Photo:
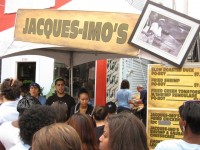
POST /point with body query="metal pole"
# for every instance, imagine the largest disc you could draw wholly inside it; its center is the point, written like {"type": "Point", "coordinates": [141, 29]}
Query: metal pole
{"type": "Point", "coordinates": [186, 7]}
{"type": "Point", "coordinates": [173, 5]}
{"type": "Point", "coordinates": [71, 72]}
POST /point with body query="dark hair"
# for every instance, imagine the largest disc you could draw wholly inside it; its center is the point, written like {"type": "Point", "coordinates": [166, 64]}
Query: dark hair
{"type": "Point", "coordinates": [111, 107]}
{"type": "Point", "coordinates": [58, 136]}
{"type": "Point", "coordinates": [26, 102]}
{"type": "Point", "coordinates": [81, 91]}
{"type": "Point", "coordinates": [125, 84]}
{"type": "Point", "coordinates": [34, 119]}
{"type": "Point", "coordinates": [35, 85]}
{"type": "Point", "coordinates": [84, 126]}
{"type": "Point", "coordinates": [59, 79]}
{"type": "Point", "coordinates": [61, 110]}
{"type": "Point", "coordinates": [10, 89]}
{"type": "Point", "coordinates": [25, 87]}
{"type": "Point", "coordinates": [100, 113]}
{"type": "Point", "coordinates": [126, 132]}
{"type": "Point", "coordinates": [190, 112]}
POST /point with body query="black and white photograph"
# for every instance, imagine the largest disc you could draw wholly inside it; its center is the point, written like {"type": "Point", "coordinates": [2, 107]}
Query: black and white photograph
{"type": "Point", "coordinates": [165, 33]}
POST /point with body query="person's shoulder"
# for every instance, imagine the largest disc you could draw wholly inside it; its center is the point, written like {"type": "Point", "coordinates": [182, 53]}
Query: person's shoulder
{"type": "Point", "coordinates": [89, 110]}
{"type": "Point", "coordinates": [20, 146]}
{"type": "Point", "coordinates": [51, 97]}
{"type": "Point", "coordinates": [73, 107]}
{"type": "Point", "coordinates": [144, 91]}
{"type": "Point", "coordinates": [9, 104]}
{"type": "Point", "coordinates": [6, 124]}
{"type": "Point", "coordinates": [42, 97]}
{"type": "Point", "coordinates": [90, 107]}
{"type": "Point", "coordinates": [99, 130]}
{"type": "Point", "coordinates": [99, 127]}
{"type": "Point", "coordinates": [169, 145]}
{"type": "Point", "coordinates": [119, 90]}
{"type": "Point", "coordinates": [72, 111]}
{"type": "Point", "coordinates": [68, 96]}
{"type": "Point", "coordinates": [3, 128]}
{"type": "Point", "coordinates": [129, 90]}
{"type": "Point", "coordinates": [42, 100]}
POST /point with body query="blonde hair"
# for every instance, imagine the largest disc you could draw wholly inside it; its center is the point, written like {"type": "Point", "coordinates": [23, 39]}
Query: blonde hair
{"type": "Point", "coordinates": [56, 136]}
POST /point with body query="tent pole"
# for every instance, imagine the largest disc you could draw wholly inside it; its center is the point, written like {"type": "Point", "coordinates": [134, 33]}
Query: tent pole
{"type": "Point", "coordinates": [71, 72]}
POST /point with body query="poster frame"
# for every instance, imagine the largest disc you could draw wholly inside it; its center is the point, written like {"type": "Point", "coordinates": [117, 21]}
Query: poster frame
{"type": "Point", "coordinates": [171, 48]}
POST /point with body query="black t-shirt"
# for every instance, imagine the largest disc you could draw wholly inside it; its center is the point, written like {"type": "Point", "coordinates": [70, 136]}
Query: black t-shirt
{"type": "Point", "coordinates": [66, 99]}
{"type": "Point", "coordinates": [98, 132]}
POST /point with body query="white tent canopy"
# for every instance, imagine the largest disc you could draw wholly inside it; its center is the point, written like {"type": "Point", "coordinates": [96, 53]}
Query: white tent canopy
{"type": "Point", "coordinates": [10, 47]}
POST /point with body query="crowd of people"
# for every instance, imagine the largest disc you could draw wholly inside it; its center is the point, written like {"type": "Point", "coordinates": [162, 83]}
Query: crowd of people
{"type": "Point", "coordinates": [34, 123]}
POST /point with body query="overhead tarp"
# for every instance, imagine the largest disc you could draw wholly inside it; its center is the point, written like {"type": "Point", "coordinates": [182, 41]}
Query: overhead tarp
{"type": "Point", "coordinates": [10, 47]}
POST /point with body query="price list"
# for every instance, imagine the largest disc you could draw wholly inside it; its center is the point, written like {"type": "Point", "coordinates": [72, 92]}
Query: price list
{"type": "Point", "coordinates": [168, 88]}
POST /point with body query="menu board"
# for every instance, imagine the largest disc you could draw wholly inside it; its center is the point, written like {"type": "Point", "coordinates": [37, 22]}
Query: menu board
{"type": "Point", "coordinates": [168, 88]}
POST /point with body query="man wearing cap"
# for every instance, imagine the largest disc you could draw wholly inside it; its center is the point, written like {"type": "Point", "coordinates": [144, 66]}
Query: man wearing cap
{"type": "Point", "coordinates": [142, 100]}
{"type": "Point", "coordinates": [35, 91]}
{"type": "Point", "coordinates": [60, 95]}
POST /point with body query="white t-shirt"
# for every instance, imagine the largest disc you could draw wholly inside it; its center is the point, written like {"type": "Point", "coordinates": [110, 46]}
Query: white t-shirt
{"type": "Point", "coordinates": [9, 135]}
{"type": "Point", "coordinates": [8, 111]}
{"type": "Point", "coordinates": [20, 146]}
{"type": "Point", "coordinates": [176, 144]}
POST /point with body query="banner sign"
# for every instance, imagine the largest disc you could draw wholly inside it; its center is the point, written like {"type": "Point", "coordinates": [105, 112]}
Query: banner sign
{"type": "Point", "coordinates": [168, 88]}
{"type": "Point", "coordinates": [96, 31]}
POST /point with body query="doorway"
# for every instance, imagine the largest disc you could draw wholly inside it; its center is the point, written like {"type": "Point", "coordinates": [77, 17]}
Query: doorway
{"type": "Point", "coordinates": [26, 71]}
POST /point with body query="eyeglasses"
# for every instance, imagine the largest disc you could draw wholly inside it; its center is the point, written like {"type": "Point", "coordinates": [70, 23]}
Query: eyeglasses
{"type": "Point", "coordinates": [191, 101]}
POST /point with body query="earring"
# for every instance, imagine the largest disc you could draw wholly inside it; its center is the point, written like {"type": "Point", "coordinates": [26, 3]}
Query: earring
{"type": "Point", "coordinates": [183, 128]}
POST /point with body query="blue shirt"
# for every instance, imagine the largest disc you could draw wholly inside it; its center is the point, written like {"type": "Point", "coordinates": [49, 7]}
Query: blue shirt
{"type": "Point", "coordinates": [123, 96]}
{"type": "Point", "coordinates": [42, 100]}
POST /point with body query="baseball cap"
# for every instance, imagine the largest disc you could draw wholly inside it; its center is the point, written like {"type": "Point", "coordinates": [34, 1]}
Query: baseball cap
{"type": "Point", "coordinates": [111, 107]}
{"type": "Point", "coordinates": [35, 85]}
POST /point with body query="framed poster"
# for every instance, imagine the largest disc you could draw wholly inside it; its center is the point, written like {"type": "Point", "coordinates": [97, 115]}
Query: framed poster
{"type": "Point", "coordinates": [165, 33]}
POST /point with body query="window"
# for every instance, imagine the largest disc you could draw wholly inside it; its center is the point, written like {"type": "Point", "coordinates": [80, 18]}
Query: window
{"type": "Point", "coordinates": [26, 71]}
